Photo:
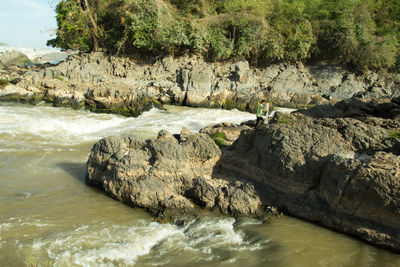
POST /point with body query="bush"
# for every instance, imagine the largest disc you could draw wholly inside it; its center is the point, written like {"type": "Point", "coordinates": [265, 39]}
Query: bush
{"type": "Point", "coordinates": [73, 30]}
{"type": "Point", "coordinates": [360, 34]}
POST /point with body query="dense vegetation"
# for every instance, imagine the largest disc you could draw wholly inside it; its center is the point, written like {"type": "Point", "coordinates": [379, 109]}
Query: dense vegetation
{"type": "Point", "coordinates": [361, 34]}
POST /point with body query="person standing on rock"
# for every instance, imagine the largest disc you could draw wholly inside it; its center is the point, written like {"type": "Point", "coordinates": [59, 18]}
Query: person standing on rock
{"type": "Point", "coordinates": [260, 109]}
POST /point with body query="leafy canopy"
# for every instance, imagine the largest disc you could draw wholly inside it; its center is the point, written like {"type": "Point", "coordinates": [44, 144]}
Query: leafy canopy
{"type": "Point", "coordinates": [361, 34]}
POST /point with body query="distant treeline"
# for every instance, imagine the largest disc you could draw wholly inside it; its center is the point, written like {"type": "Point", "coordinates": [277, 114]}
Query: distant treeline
{"type": "Point", "coordinates": [361, 34]}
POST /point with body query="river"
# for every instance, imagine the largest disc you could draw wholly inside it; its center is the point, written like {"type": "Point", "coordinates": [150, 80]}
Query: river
{"type": "Point", "coordinates": [50, 217]}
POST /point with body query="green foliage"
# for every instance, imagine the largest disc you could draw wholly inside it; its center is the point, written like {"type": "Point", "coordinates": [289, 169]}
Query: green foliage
{"type": "Point", "coordinates": [394, 135]}
{"type": "Point", "coordinates": [58, 77]}
{"type": "Point", "coordinates": [286, 119]}
{"type": "Point", "coordinates": [229, 104]}
{"type": "Point", "coordinates": [235, 36]}
{"type": "Point", "coordinates": [349, 32]}
{"type": "Point", "coordinates": [194, 8]}
{"type": "Point", "coordinates": [72, 27]}
{"type": "Point", "coordinates": [362, 34]}
{"type": "Point", "coordinates": [292, 30]}
{"type": "Point", "coordinates": [219, 138]}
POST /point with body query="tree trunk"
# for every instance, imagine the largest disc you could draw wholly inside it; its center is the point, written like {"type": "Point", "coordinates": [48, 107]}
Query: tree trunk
{"type": "Point", "coordinates": [95, 29]}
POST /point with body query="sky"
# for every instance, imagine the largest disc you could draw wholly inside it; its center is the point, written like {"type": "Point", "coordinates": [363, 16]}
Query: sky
{"type": "Point", "coordinates": [27, 23]}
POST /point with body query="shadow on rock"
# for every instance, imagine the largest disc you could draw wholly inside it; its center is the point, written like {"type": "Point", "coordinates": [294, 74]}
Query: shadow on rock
{"type": "Point", "coordinates": [356, 108]}
{"type": "Point", "coordinates": [342, 173]}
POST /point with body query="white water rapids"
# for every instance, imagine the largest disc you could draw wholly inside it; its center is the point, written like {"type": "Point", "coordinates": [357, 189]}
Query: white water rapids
{"type": "Point", "coordinates": [50, 217]}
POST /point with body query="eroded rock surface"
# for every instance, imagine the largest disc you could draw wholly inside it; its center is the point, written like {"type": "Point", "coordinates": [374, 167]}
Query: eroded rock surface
{"type": "Point", "coordinates": [169, 175]}
{"type": "Point", "coordinates": [342, 172]}
{"type": "Point", "coordinates": [107, 83]}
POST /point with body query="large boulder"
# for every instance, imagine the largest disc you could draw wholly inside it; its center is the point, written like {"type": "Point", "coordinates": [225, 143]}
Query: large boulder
{"type": "Point", "coordinates": [341, 172]}
{"type": "Point", "coordinates": [169, 175]}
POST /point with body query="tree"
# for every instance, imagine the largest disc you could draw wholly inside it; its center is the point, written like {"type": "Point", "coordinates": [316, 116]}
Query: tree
{"type": "Point", "coordinates": [96, 35]}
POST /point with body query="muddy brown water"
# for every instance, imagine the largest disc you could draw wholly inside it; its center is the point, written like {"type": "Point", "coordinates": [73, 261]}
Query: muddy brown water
{"type": "Point", "coordinates": [49, 217]}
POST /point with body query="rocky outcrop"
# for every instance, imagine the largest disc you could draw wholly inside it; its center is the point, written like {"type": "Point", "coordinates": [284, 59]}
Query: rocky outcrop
{"type": "Point", "coordinates": [12, 58]}
{"type": "Point", "coordinates": [230, 131]}
{"type": "Point", "coordinates": [115, 84]}
{"type": "Point", "coordinates": [169, 176]}
{"type": "Point", "coordinates": [341, 172]}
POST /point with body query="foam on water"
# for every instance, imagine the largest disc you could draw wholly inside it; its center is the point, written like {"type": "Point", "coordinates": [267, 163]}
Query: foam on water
{"type": "Point", "coordinates": [31, 53]}
{"type": "Point", "coordinates": [102, 247]}
{"type": "Point", "coordinates": [123, 245]}
{"type": "Point", "coordinates": [103, 244]}
{"type": "Point", "coordinates": [4, 226]}
{"type": "Point", "coordinates": [47, 127]}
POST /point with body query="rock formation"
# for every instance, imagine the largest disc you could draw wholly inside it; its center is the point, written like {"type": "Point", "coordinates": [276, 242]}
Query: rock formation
{"type": "Point", "coordinates": [340, 170]}
{"type": "Point", "coordinates": [168, 175]}
{"type": "Point", "coordinates": [115, 84]}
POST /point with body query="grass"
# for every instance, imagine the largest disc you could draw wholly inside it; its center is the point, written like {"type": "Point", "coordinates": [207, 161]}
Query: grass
{"type": "Point", "coordinates": [219, 138]}
{"type": "Point", "coordinates": [287, 119]}
{"type": "Point", "coordinates": [229, 104]}
{"type": "Point", "coordinates": [58, 77]}
{"type": "Point", "coordinates": [394, 135]}
{"type": "Point", "coordinates": [303, 106]}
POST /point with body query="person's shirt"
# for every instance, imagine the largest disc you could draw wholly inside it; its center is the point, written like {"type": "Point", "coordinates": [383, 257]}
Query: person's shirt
{"type": "Point", "coordinates": [259, 110]}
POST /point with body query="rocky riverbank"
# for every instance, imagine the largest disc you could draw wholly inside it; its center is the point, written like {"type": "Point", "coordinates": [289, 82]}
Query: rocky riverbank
{"type": "Point", "coordinates": [336, 165]}
{"type": "Point", "coordinates": [129, 86]}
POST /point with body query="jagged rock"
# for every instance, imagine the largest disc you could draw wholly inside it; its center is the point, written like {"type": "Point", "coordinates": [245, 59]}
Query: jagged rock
{"type": "Point", "coordinates": [340, 172]}
{"type": "Point", "coordinates": [53, 58]}
{"type": "Point", "coordinates": [167, 174]}
{"type": "Point", "coordinates": [230, 131]}
{"type": "Point", "coordinates": [121, 81]}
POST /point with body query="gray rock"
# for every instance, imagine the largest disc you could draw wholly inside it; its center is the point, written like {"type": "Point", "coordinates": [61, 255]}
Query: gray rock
{"type": "Point", "coordinates": [167, 174]}
{"type": "Point", "coordinates": [113, 84]}
{"type": "Point", "coordinates": [12, 57]}
{"type": "Point", "coordinates": [340, 172]}
{"type": "Point", "coordinates": [198, 85]}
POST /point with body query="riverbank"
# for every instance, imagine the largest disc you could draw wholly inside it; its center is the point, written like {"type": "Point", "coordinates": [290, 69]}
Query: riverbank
{"type": "Point", "coordinates": [129, 86]}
